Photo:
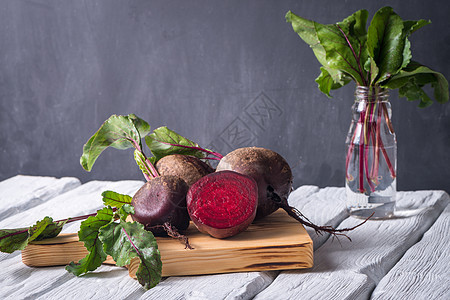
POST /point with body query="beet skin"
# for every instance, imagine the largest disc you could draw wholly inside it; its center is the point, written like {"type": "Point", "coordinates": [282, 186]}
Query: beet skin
{"type": "Point", "coordinates": [223, 204]}
{"type": "Point", "coordinates": [268, 168]}
{"type": "Point", "coordinates": [161, 200]}
{"type": "Point", "coordinates": [190, 168]}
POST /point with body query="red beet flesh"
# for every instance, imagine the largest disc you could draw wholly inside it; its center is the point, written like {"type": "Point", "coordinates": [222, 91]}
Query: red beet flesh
{"type": "Point", "coordinates": [223, 204]}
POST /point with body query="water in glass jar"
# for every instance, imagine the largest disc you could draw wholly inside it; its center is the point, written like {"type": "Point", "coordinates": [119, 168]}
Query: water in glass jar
{"type": "Point", "coordinates": [378, 199]}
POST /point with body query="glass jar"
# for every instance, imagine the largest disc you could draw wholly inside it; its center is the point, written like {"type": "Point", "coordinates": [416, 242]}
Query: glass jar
{"type": "Point", "coordinates": [371, 162]}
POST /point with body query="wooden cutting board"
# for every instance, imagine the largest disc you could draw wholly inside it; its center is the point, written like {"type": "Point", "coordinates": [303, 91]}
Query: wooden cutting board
{"type": "Point", "coordinates": [276, 242]}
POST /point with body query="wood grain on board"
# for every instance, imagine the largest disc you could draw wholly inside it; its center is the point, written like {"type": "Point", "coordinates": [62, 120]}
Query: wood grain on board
{"type": "Point", "coordinates": [276, 243]}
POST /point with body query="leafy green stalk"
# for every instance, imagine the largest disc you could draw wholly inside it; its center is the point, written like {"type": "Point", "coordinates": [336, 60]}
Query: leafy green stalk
{"type": "Point", "coordinates": [380, 56]}
{"type": "Point", "coordinates": [102, 235]}
{"type": "Point", "coordinates": [340, 48]}
{"type": "Point", "coordinates": [17, 239]}
{"type": "Point", "coordinates": [124, 132]}
{"type": "Point", "coordinates": [89, 231]}
{"type": "Point", "coordinates": [120, 132]}
{"type": "Point", "coordinates": [125, 240]}
{"type": "Point", "coordinates": [95, 232]}
{"type": "Point", "coordinates": [376, 58]}
{"type": "Point", "coordinates": [13, 239]}
{"type": "Point", "coordinates": [115, 199]}
{"type": "Point", "coordinates": [413, 77]}
{"type": "Point", "coordinates": [88, 234]}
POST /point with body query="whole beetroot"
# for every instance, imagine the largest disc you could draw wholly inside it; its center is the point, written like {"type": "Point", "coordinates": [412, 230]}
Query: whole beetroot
{"type": "Point", "coordinates": [161, 201]}
{"type": "Point", "coordinates": [189, 168]}
{"type": "Point", "coordinates": [270, 171]}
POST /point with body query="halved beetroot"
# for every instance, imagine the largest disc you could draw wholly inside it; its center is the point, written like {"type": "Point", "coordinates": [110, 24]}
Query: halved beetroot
{"type": "Point", "coordinates": [223, 204]}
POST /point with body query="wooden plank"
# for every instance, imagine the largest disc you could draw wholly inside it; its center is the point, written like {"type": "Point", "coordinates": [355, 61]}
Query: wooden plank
{"type": "Point", "coordinates": [351, 270]}
{"type": "Point", "coordinates": [423, 272]}
{"type": "Point", "coordinates": [276, 243]}
{"type": "Point", "coordinates": [22, 192]}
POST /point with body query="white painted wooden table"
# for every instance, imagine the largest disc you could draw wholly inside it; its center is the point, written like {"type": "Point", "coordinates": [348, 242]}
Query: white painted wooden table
{"type": "Point", "coordinates": [403, 258]}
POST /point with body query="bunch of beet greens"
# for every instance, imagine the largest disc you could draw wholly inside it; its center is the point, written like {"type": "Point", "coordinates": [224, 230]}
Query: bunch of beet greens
{"type": "Point", "coordinates": [376, 58]}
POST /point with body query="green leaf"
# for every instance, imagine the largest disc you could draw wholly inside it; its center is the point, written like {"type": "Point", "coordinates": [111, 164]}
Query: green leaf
{"type": "Point", "coordinates": [339, 54]}
{"type": "Point", "coordinates": [410, 26]}
{"type": "Point", "coordinates": [338, 46]}
{"type": "Point", "coordinates": [125, 211]}
{"type": "Point", "coordinates": [120, 132]}
{"type": "Point", "coordinates": [115, 199]}
{"type": "Point", "coordinates": [163, 142]}
{"type": "Point", "coordinates": [17, 239]}
{"type": "Point", "coordinates": [413, 91]}
{"type": "Point", "coordinates": [371, 66]}
{"type": "Point", "coordinates": [45, 229]}
{"type": "Point", "coordinates": [142, 126]}
{"type": "Point", "coordinates": [328, 82]}
{"type": "Point", "coordinates": [415, 76]}
{"type": "Point", "coordinates": [89, 234]}
{"type": "Point", "coordinates": [407, 55]}
{"type": "Point", "coordinates": [307, 32]}
{"type": "Point", "coordinates": [13, 239]}
{"type": "Point", "coordinates": [356, 24]}
{"type": "Point", "coordinates": [123, 241]}
{"type": "Point", "coordinates": [386, 43]}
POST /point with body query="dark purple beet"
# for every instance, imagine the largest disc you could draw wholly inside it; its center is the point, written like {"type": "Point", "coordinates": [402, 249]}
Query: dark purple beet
{"type": "Point", "coordinates": [161, 200]}
{"type": "Point", "coordinates": [223, 204]}
{"type": "Point", "coordinates": [268, 168]}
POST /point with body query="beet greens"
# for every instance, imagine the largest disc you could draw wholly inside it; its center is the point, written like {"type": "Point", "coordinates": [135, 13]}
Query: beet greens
{"type": "Point", "coordinates": [98, 231]}
{"type": "Point", "coordinates": [377, 58]}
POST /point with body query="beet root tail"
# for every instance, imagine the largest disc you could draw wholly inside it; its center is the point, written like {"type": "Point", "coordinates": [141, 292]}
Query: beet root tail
{"type": "Point", "coordinates": [173, 233]}
{"type": "Point", "coordinates": [301, 218]}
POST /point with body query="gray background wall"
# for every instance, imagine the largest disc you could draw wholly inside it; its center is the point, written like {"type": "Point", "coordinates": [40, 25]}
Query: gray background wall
{"type": "Point", "coordinates": [199, 67]}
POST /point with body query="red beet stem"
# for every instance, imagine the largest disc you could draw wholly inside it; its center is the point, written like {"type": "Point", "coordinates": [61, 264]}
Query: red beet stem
{"type": "Point", "coordinates": [388, 161]}
{"type": "Point", "coordinates": [68, 220]}
{"type": "Point", "coordinates": [357, 57]}
{"type": "Point", "coordinates": [131, 242]}
{"type": "Point", "coordinates": [349, 154]}
{"type": "Point", "coordinates": [217, 155]}
{"type": "Point", "coordinates": [391, 129]}
{"type": "Point", "coordinates": [361, 156]}
{"type": "Point", "coordinates": [13, 234]}
{"type": "Point", "coordinates": [79, 218]}
{"type": "Point", "coordinates": [149, 167]}
{"type": "Point", "coordinates": [370, 136]}
{"type": "Point", "coordinates": [152, 170]}
{"type": "Point", "coordinates": [376, 159]}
